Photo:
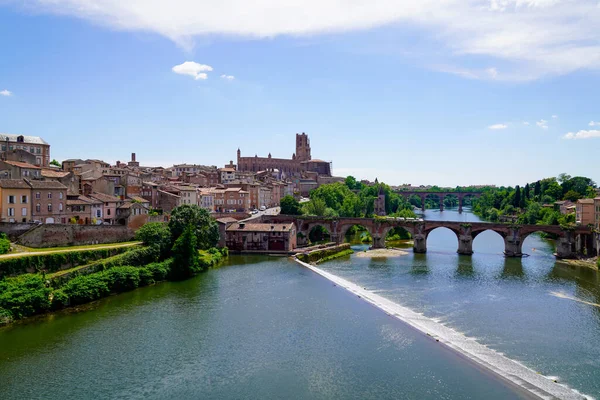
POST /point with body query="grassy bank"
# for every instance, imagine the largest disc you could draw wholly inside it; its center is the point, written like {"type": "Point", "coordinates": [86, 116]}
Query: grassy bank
{"type": "Point", "coordinates": [326, 254]}
{"type": "Point", "coordinates": [31, 294]}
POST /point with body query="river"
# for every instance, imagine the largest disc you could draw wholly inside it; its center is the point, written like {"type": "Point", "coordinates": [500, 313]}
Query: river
{"type": "Point", "coordinates": [262, 328]}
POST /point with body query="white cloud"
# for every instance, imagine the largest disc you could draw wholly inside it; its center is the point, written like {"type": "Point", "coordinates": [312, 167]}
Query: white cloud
{"type": "Point", "coordinates": [529, 38]}
{"type": "Point", "coordinates": [554, 116]}
{"type": "Point", "coordinates": [5, 93]}
{"type": "Point", "coordinates": [592, 123]}
{"type": "Point", "coordinates": [228, 77]}
{"type": "Point", "coordinates": [192, 68]}
{"type": "Point", "coordinates": [583, 134]}
{"type": "Point", "coordinates": [525, 123]}
{"type": "Point", "coordinates": [498, 126]}
{"type": "Point", "coordinates": [542, 124]}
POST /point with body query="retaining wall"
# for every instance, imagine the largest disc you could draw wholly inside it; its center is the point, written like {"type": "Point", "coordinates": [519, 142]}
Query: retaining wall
{"type": "Point", "coordinates": [55, 235]}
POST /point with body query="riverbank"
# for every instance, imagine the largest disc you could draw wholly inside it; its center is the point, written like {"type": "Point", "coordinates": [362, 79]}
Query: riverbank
{"type": "Point", "coordinates": [520, 377]}
{"type": "Point", "coordinates": [591, 263]}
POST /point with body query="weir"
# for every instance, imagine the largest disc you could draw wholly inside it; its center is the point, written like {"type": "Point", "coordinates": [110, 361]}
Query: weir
{"type": "Point", "coordinates": [506, 368]}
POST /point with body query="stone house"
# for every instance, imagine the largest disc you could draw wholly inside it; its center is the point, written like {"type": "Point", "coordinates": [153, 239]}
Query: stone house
{"type": "Point", "coordinates": [15, 204]}
{"type": "Point", "coordinates": [150, 193]}
{"type": "Point", "coordinates": [206, 199]}
{"type": "Point", "coordinates": [130, 211]}
{"type": "Point", "coordinates": [584, 212]}
{"type": "Point", "coordinates": [187, 195]}
{"type": "Point", "coordinates": [19, 170]}
{"type": "Point", "coordinates": [237, 199]}
{"type": "Point", "coordinates": [34, 145]}
{"type": "Point", "coordinates": [261, 237]}
{"type": "Point", "coordinates": [264, 196]}
{"type": "Point", "coordinates": [167, 201]}
{"type": "Point", "coordinates": [109, 206]}
{"type": "Point", "coordinates": [79, 209]}
{"type": "Point", "coordinates": [133, 185]}
{"type": "Point", "coordinates": [48, 201]}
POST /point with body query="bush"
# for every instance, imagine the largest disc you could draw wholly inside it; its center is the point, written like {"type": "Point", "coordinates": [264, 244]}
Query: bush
{"type": "Point", "coordinates": [135, 257]}
{"type": "Point", "coordinates": [155, 234]}
{"type": "Point", "coordinates": [4, 243]}
{"type": "Point", "coordinates": [84, 289]}
{"type": "Point", "coordinates": [5, 317]}
{"type": "Point", "coordinates": [160, 270]}
{"type": "Point", "coordinates": [122, 279]}
{"type": "Point", "coordinates": [56, 262]}
{"type": "Point", "coordinates": [24, 295]}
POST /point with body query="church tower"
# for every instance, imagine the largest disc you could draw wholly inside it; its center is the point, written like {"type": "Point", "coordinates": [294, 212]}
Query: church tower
{"type": "Point", "coordinates": [379, 208]}
{"type": "Point", "coordinates": [302, 147]}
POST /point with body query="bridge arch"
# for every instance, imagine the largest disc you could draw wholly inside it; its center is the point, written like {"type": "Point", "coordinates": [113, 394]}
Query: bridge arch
{"type": "Point", "coordinates": [444, 236]}
{"type": "Point", "coordinates": [495, 245]}
{"type": "Point", "coordinates": [343, 231]}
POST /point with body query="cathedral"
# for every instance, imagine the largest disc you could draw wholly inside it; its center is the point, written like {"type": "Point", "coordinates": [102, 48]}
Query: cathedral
{"type": "Point", "coordinates": [301, 161]}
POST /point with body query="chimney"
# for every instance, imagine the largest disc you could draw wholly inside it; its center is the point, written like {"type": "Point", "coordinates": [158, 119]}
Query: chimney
{"type": "Point", "coordinates": [242, 225]}
{"type": "Point", "coordinates": [133, 157]}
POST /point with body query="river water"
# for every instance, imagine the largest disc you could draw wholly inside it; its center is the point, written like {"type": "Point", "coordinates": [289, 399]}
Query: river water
{"type": "Point", "coordinates": [264, 328]}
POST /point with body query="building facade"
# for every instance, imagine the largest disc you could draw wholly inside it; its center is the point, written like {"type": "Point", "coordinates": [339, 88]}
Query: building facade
{"type": "Point", "coordinates": [32, 144]}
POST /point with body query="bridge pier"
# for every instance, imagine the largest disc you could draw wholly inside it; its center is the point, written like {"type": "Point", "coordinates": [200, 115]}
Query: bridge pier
{"type": "Point", "coordinates": [442, 197]}
{"type": "Point", "coordinates": [423, 197]}
{"type": "Point", "coordinates": [565, 246]}
{"type": "Point", "coordinates": [465, 245]}
{"type": "Point", "coordinates": [419, 243]}
{"type": "Point", "coordinates": [378, 242]}
{"type": "Point", "coordinates": [513, 247]}
{"type": "Point", "coordinates": [460, 204]}
{"type": "Point", "coordinates": [336, 237]}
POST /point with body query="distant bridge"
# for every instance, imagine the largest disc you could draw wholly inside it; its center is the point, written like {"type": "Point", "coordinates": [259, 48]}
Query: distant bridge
{"type": "Point", "coordinates": [568, 244]}
{"type": "Point", "coordinates": [441, 195]}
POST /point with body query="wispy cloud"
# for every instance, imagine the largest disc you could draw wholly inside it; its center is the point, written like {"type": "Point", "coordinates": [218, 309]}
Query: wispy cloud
{"type": "Point", "coordinates": [528, 38]}
{"type": "Point", "coordinates": [542, 124]}
{"type": "Point", "coordinates": [191, 68]}
{"type": "Point", "coordinates": [228, 77]}
{"type": "Point", "coordinates": [525, 123]}
{"type": "Point", "coordinates": [498, 126]}
{"type": "Point", "coordinates": [5, 93]}
{"type": "Point", "coordinates": [593, 123]}
{"type": "Point", "coordinates": [554, 116]}
{"type": "Point", "coordinates": [583, 134]}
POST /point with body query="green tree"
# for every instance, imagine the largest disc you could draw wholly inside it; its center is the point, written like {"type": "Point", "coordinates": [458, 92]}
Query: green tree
{"type": "Point", "coordinates": [572, 195]}
{"type": "Point", "coordinates": [537, 189]}
{"type": "Point", "coordinates": [290, 206]}
{"type": "Point", "coordinates": [351, 182]}
{"type": "Point", "coordinates": [316, 207]}
{"type": "Point", "coordinates": [155, 234]}
{"type": "Point", "coordinates": [562, 178]}
{"type": "Point", "coordinates": [55, 163]}
{"type": "Point", "coordinates": [517, 197]}
{"type": "Point", "coordinates": [186, 260]}
{"type": "Point", "coordinates": [206, 228]}
{"type": "Point", "coordinates": [527, 190]}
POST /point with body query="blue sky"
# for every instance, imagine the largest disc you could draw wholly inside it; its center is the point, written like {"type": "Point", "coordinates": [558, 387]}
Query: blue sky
{"type": "Point", "coordinates": [421, 94]}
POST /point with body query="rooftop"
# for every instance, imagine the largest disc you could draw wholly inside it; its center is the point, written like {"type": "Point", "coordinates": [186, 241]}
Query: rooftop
{"type": "Point", "coordinates": [21, 164]}
{"type": "Point", "coordinates": [46, 185]}
{"type": "Point", "coordinates": [26, 139]}
{"type": "Point", "coordinates": [13, 184]}
{"type": "Point", "coordinates": [237, 227]}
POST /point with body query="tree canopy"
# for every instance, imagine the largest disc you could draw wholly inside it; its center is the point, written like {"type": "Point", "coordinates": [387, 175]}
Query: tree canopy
{"type": "Point", "coordinates": [206, 228]}
{"type": "Point", "coordinates": [290, 206]}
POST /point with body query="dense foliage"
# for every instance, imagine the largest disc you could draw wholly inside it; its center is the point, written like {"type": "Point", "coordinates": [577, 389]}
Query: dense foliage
{"type": "Point", "coordinates": [4, 243]}
{"type": "Point", "coordinates": [31, 294]}
{"type": "Point", "coordinates": [290, 206]}
{"type": "Point", "coordinates": [534, 203]}
{"type": "Point", "coordinates": [354, 199]}
{"type": "Point", "coordinates": [206, 228]}
{"type": "Point", "coordinates": [56, 261]}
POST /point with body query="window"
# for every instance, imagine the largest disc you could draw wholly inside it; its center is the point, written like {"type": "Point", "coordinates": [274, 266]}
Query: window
{"type": "Point", "coordinates": [49, 207]}
{"type": "Point", "coordinates": [11, 199]}
{"type": "Point", "coordinates": [24, 199]}
{"type": "Point", "coordinates": [11, 212]}
{"type": "Point", "coordinates": [49, 195]}
{"type": "Point", "coordinates": [60, 207]}
{"type": "Point", "coordinates": [98, 214]}
{"type": "Point", "coordinates": [108, 211]}
{"type": "Point", "coordinates": [38, 150]}
{"type": "Point", "coordinates": [38, 195]}
{"type": "Point", "coordinates": [32, 149]}
{"type": "Point", "coordinates": [60, 195]}
{"type": "Point", "coordinates": [24, 211]}
{"type": "Point", "coordinates": [38, 208]}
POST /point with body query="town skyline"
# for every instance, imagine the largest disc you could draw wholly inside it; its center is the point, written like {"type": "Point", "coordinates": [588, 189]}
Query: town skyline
{"type": "Point", "coordinates": [386, 101]}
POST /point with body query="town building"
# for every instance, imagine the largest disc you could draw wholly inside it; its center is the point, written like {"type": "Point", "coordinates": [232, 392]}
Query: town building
{"type": "Point", "coordinates": [48, 201]}
{"type": "Point", "coordinates": [261, 237]}
{"type": "Point", "coordinates": [16, 200]}
{"type": "Point", "coordinates": [300, 162]}
{"type": "Point", "coordinates": [19, 170]}
{"type": "Point", "coordinates": [584, 212]}
{"type": "Point", "coordinates": [34, 145]}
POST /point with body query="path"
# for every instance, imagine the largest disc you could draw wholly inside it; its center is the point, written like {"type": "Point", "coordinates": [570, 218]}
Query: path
{"type": "Point", "coordinates": [75, 248]}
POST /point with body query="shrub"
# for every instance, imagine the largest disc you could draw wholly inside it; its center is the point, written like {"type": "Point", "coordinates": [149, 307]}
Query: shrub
{"type": "Point", "coordinates": [5, 317]}
{"type": "Point", "coordinates": [24, 295]}
{"type": "Point", "coordinates": [160, 270]}
{"type": "Point", "coordinates": [84, 289]}
{"type": "Point", "coordinates": [135, 257]}
{"type": "Point", "coordinates": [59, 299]}
{"type": "Point", "coordinates": [122, 279]}
{"type": "Point", "coordinates": [155, 234]}
{"type": "Point", "coordinates": [4, 243]}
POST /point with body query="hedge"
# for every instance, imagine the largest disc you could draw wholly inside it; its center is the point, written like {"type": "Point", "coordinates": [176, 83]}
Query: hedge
{"type": "Point", "coordinates": [55, 262]}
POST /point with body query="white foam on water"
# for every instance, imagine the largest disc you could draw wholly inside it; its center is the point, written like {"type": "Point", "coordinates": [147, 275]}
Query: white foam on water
{"type": "Point", "coordinates": [542, 386]}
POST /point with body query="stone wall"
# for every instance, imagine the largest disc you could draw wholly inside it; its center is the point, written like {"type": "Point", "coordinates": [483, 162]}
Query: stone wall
{"type": "Point", "coordinates": [54, 235]}
{"type": "Point", "coordinates": [14, 230]}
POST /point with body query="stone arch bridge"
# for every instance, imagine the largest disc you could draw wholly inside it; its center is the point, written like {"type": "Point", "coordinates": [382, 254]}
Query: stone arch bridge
{"type": "Point", "coordinates": [568, 244]}
{"type": "Point", "coordinates": [441, 195]}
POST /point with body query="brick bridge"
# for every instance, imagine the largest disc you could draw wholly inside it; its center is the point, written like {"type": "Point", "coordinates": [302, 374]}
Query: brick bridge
{"type": "Point", "coordinates": [441, 195]}
{"type": "Point", "coordinates": [568, 244]}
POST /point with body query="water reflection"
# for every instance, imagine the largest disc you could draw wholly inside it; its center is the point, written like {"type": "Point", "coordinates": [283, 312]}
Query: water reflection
{"type": "Point", "coordinates": [513, 269]}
